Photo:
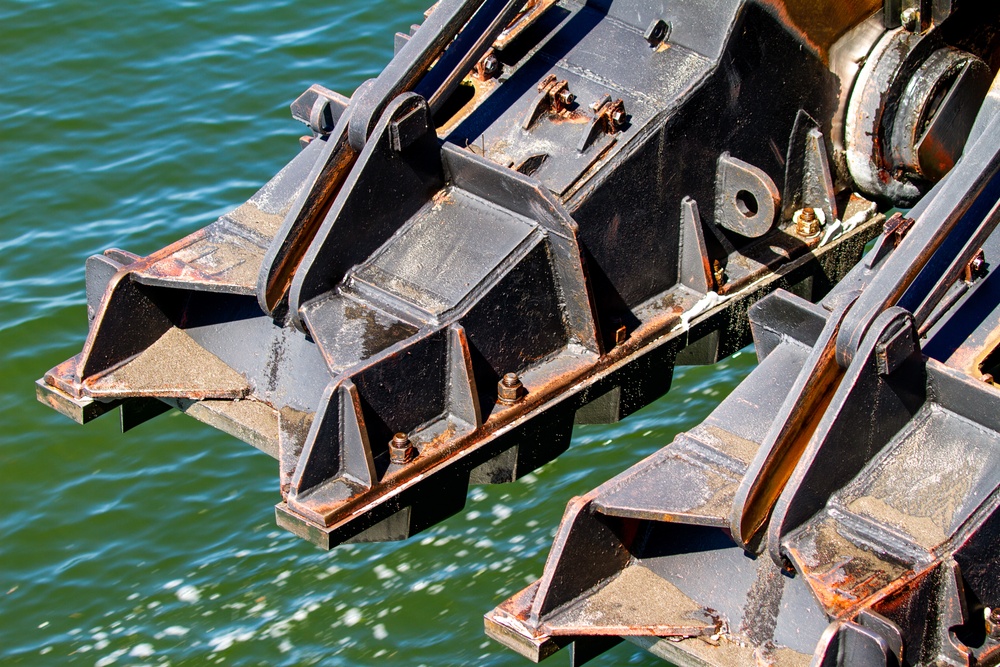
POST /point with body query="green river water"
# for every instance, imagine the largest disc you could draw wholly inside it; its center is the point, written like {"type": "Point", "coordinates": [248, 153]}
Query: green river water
{"type": "Point", "coordinates": [131, 124]}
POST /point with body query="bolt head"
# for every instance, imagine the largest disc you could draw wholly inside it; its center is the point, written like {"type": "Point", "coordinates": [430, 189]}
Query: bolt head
{"type": "Point", "coordinates": [621, 335]}
{"type": "Point", "coordinates": [807, 223]}
{"type": "Point", "coordinates": [400, 449]}
{"type": "Point", "coordinates": [566, 98]}
{"type": "Point", "coordinates": [992, 621]}
{"type": "Point", "coordinates": [491, 66]}
{"type": "Point", "coordinates": [910, 18]}
{"type": "Point", "coordinates": [978, 263]}
{"type": "Point", "coordinates": [510, 390]}
{"type": "Point", "coordinates": [719, 273]}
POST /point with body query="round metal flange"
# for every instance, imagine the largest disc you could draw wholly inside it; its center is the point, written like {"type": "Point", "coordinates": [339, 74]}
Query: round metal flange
{"type": "Point", "coordinates": [866, 111]}
{"type": "Point", "coordinates": [936, 112]}
{"type": "Point", "coordinates": [910, 114]}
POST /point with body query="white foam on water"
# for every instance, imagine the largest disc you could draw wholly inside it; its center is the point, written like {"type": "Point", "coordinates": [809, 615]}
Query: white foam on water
{"type": "Point", "coordinates": [110, 658]}
{"type": "Point", "coordinates": [383, 572]}
{"type": "Point", "coordinates": [224, 641]}
{"type": "Point", "coordinates": [173, 631]}
{"type": "Point", "coordinates": [142, 651]}
{"type": "Point", "coordinates": [188, 593]}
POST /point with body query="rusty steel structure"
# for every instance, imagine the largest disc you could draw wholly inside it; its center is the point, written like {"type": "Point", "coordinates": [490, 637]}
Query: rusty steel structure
{"type": "Point", "coordinates": [840, 507]}
{"type": "Point", "coordinates": [534, 212]}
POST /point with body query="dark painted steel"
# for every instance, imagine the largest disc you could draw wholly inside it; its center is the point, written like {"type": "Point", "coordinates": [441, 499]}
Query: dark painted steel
{"type": "Point", "coordinates": [836, 509]}
{"type": "Point", "coordinates": [356, 318]}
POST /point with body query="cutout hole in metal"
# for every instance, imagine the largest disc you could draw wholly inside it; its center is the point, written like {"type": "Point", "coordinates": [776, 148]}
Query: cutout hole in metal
{"type": "Point", "coordinates": [746, 203]}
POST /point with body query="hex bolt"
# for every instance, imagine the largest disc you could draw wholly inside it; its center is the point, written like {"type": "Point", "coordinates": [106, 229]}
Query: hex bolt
{"type": "Point", "coordinates": [510, 390]}
{"type": "Point", "coordinates": [618, 117]}
{"type": "Point", "coordinates": [806, 223]}
{"type": "Point", "coordinates": [621, 335]}
{"type": "Point", "coordinates": [400, 449]}
{"type": "Point", "coordinates": [910, 18]}
{"type": "Point", "coordinates": [992, 621]}
{"type": "Point", "coordinates": [976, 266]}
{"type": "Point", "coordinates": [719, 273]}
{"type": "Point", "coordinates": [491, 66]}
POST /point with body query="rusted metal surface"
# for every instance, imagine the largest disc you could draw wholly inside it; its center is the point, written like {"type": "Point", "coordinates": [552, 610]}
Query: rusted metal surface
{"type": "Point", "coordinates": [824, 23]}
{"type": "Point", "coordinates": [527, 219]}
{"type": "Point", "coordinates": [529, 14]}
{"type": "Point", "coordinates": [847, 493]}
{"type": "Point", "coordinates": [384, 285]}
{"type": "Point", "coordinates": [296, 234]}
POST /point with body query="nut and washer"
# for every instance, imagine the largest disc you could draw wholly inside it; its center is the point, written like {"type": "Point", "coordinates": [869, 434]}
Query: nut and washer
{"type": "Point", "coordinates": [808, 225]}
{"type": "Point", "coordinates": [718, 274]}
{"type": "Point", "coordinates": [491, 67]}
{"type": "Point", "coordinates": [400, 449]}
{"type": "Point", "coordinates": [992, 621]}
{"type": "Point", "coordinates": [510, 390]}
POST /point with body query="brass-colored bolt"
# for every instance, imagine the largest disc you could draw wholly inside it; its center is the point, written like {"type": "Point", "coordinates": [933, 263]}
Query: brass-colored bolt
{"type": "Point", "coordinates": [992, 621]}
{"type": "Point", "coordinates": [719, 273]}
{"type": "Point", "coordinates": [400, 449]}
{"type": "Point", "coordinates": [806, 223]}
{"type": "Point", "coordinates": [621, 335]}
{"type": "Point", "coordinates": [510, 390]}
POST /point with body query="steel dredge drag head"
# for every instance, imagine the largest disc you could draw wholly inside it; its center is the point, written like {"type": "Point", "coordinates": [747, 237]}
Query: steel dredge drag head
{"type": "Point", "coordinates": [515, 228]}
